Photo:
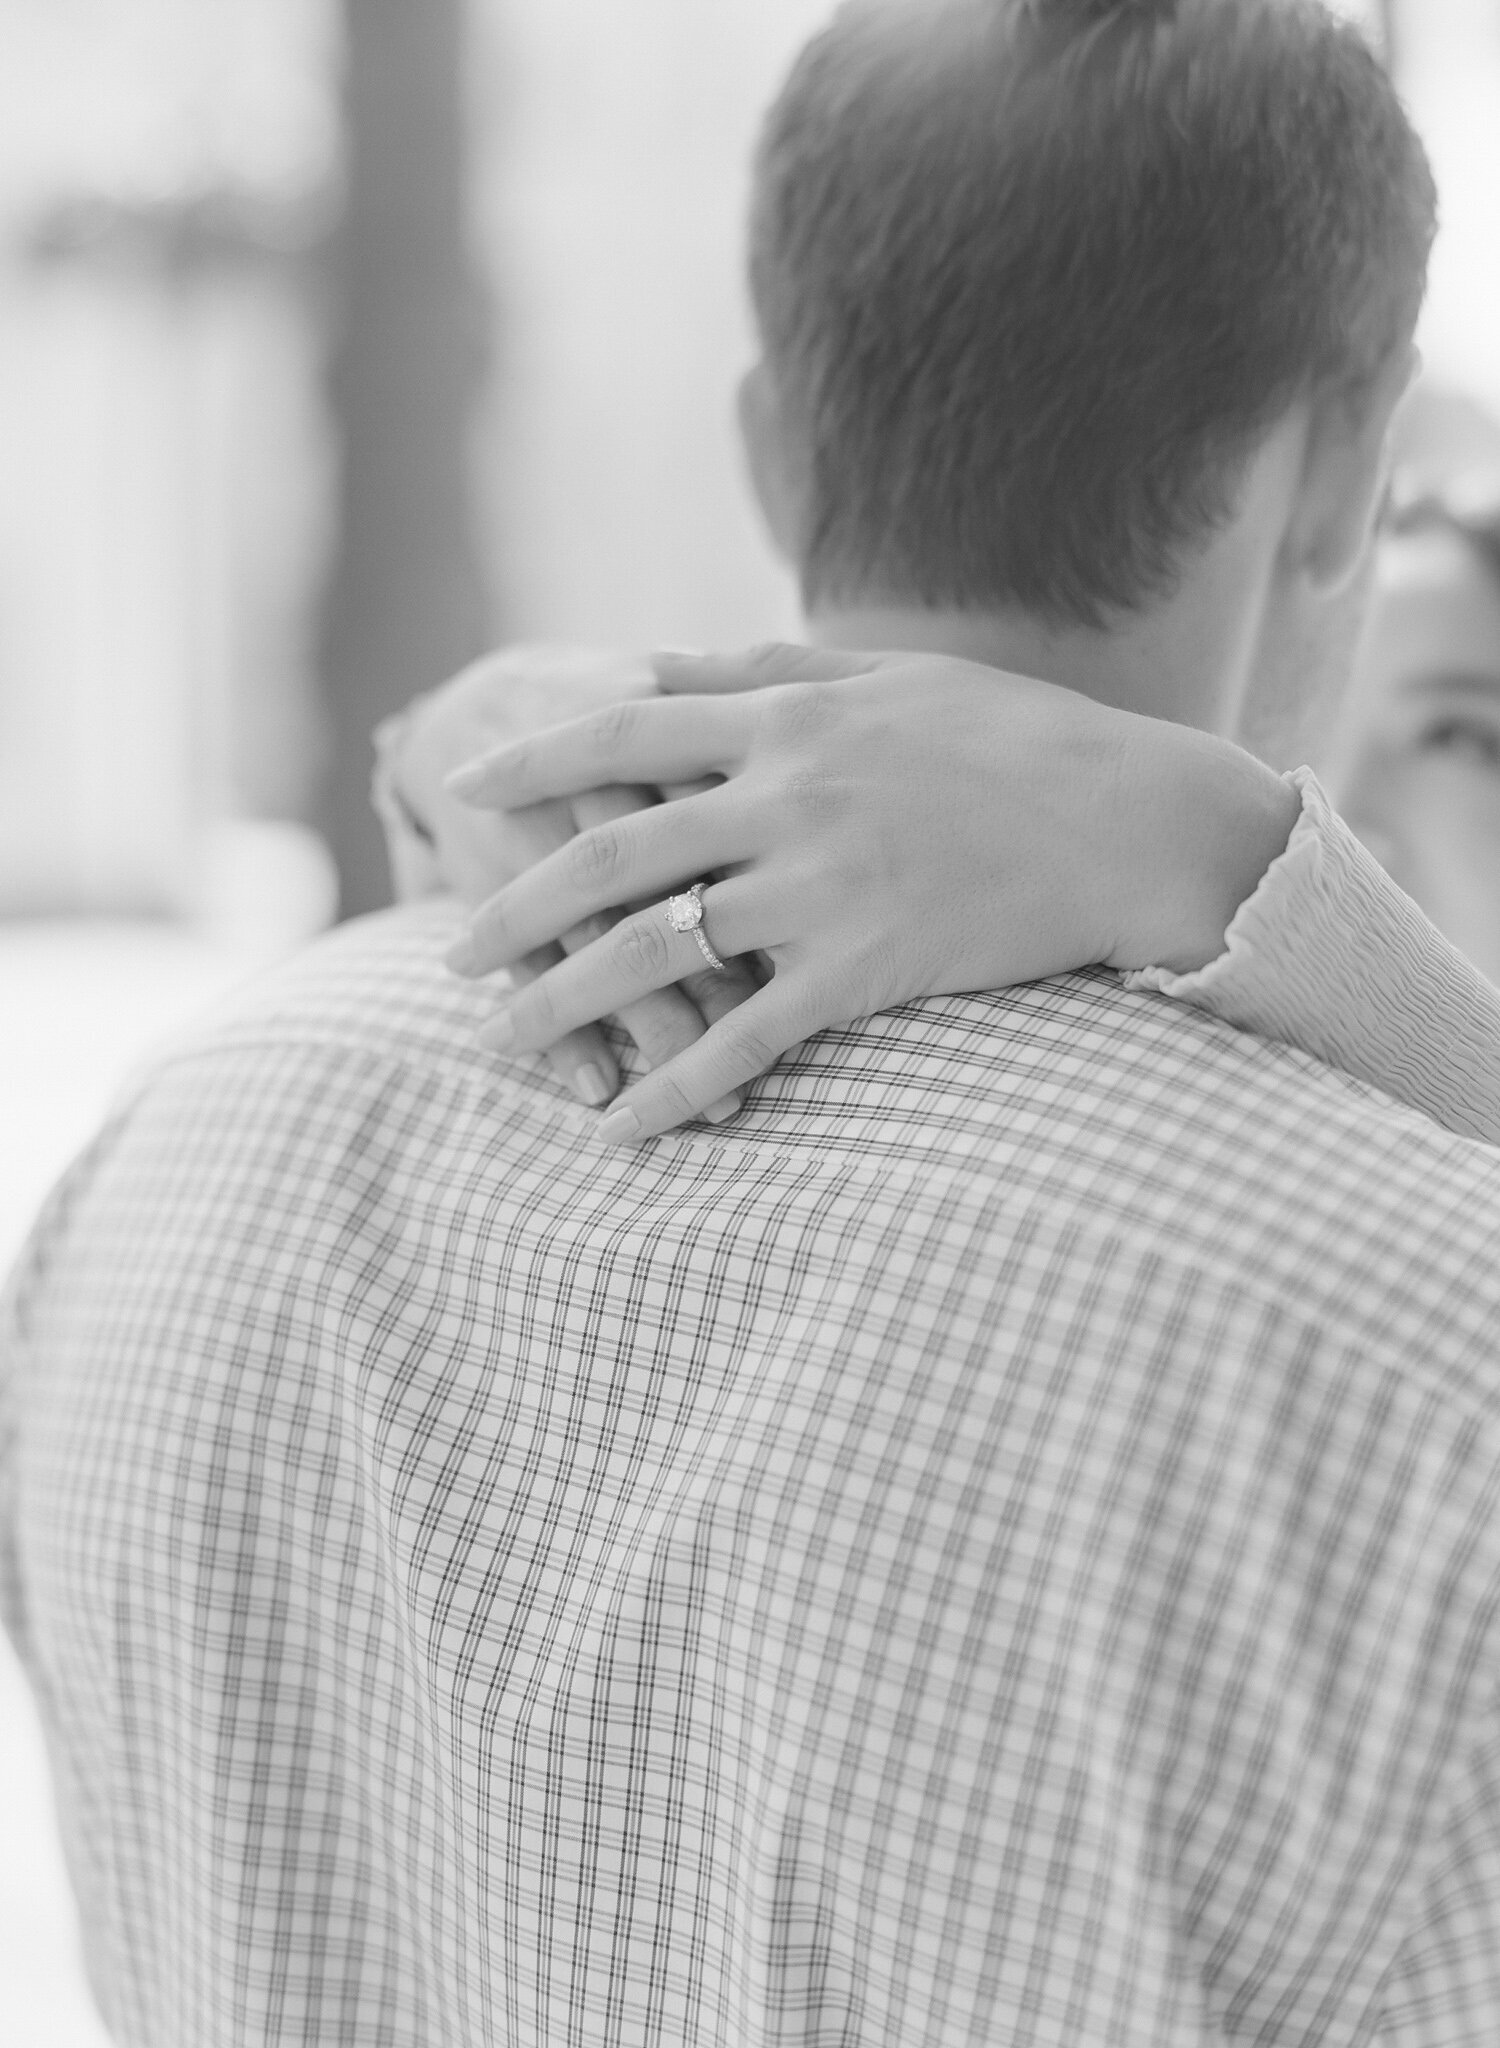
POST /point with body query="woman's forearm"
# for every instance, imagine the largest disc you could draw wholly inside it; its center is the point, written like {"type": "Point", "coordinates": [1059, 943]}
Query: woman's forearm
{"type": "Point", "coordinates": [1325, 953]}
{"type": "Point", "coordinates": [1193, 825]}
{"type": "Point", "coordinates": [1000, 830]}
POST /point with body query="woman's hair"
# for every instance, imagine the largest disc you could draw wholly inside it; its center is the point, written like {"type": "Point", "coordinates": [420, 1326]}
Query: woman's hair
{"type": "Point", "coordinates": [1032, 276]}
{"type": "Point", "coordinates": [1447, 471]}
{"type": "Point", "coordinates": [1468, 509]}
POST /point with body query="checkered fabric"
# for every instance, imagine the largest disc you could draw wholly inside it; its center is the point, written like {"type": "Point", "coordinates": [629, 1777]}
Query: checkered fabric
{"type": "Point", "coordinates": [999, 1545]}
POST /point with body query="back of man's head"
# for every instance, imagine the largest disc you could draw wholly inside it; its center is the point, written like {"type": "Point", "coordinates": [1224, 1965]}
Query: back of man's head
{"type": "Point", "coordinates": [1033, 277]}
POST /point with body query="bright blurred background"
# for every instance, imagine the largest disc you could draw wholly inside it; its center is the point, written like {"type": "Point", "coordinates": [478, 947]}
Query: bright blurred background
{"type": "Point", "coordinates": [337, 342]}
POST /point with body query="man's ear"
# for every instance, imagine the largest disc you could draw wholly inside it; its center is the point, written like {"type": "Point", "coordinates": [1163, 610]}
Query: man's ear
{"type": "Point", "coordinates": [1346, 471]}
{"type": "Point", "coordinates": [773, 475]}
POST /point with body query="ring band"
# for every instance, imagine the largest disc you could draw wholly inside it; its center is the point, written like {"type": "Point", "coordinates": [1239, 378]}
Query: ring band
{"type": "Point", "coordinates": [684, 913]}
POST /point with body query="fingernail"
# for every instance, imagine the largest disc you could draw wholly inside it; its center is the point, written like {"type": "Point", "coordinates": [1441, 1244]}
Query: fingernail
{"type": "Point", "coordinates": [466, 781]}
{"type": "Point", "coordinates": [499, 1034]}
{"type": "Point", "coordinates": [721, 1111]}
{"type": "Point", "coordinates": [620, 1126]}
{"type": "Point", "coordinates": [591, 1086]}
{"type": "Point", "coordinates": [460, 957]}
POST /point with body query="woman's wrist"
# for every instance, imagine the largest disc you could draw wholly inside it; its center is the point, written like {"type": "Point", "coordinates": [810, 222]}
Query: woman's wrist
{"type": "Point", "coordinates": [1203, 823]}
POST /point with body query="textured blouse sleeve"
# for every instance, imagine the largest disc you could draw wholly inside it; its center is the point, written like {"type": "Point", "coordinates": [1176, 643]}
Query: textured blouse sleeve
{"type": "Point", "coordinates": [1330, 956]}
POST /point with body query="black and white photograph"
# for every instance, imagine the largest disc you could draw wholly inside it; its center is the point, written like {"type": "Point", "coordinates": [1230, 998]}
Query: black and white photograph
{"type": "Point", "coordinates": [749, 1023]}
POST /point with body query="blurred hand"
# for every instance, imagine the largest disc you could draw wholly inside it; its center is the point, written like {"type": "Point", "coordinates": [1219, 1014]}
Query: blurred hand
{"type": "Point", "coordinates": [501, 697]}
{"type": "Point", "coordinates": [437, 842]}
{"type": "Point", "coordinates": [889, 827]}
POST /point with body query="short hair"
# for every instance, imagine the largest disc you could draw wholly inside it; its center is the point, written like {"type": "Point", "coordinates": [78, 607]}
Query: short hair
{"type": "Point", "coordinates": [1034, 276]}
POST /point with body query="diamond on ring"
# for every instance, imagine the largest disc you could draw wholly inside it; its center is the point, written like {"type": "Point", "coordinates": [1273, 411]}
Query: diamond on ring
{"type": "Point", "coordinates": [685, 914]}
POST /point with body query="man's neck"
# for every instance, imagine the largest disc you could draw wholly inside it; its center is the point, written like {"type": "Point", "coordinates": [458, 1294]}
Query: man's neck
{"type": "Point", "coordinates": [1189, 657]}
{"type": "Point", "coordinates": [1189, 667]}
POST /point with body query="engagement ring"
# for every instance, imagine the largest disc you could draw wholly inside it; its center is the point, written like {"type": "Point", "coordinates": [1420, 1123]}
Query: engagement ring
{"type": "Point", "coordinates": [685, 914]}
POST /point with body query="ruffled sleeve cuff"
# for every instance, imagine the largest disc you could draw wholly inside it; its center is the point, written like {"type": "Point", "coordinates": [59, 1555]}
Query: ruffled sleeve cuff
{"type": "Point", "coordinates": [1330, 956]}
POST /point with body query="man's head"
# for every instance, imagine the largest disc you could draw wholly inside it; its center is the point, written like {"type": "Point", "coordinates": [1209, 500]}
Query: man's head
{"type": "Point", "coordinates": [1039, 281]}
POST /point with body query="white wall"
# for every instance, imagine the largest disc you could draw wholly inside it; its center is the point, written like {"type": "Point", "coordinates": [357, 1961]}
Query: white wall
{"type": "Point", "coordinates": [615, 144]}
{"type": "Point", "coordinates": [1449, 54]}
{"type": "Point", "coordinates": [166, 468]}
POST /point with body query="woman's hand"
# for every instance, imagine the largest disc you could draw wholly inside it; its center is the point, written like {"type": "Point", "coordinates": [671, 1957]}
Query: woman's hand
{"type": "Point", "coordinates": [887, 827]}
{"type": "Point", "coordinates": [437, 844]}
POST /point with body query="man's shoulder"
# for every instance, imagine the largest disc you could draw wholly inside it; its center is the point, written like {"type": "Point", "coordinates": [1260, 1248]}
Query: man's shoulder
{"type": "Point", "coordinates": [1082, 1054]}
{"type": "Point", "coordinates": [1077, 1067]}
{"type": "Point", "coordinates": [1078, 1060]}
{"type": "Point", "coordinates": [1123, 1112]}
{"type": "Point", "coordinates": [363, 1030]}
{"type": "Point", "coordinates": [1138, 1116]}
{"type": "Point", "coordinates": [375, 985]}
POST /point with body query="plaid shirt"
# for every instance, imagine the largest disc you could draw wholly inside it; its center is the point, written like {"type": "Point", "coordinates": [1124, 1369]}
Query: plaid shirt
{"type": "Point", "coordinates": [1000, 1545]}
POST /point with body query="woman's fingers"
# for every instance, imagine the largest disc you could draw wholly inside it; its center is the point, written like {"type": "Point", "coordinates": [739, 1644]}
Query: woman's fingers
{"type": "Point", "coordinates": [665, 1023]}
{"type": "Point", "coordinates": [760, 668]}
{"type": "Point", "coordinates": [640, 741]}
{"type": "Point", "coordinates": [642, 953]}
{"type": "Point", "coordinates": [662, 1023]}
{"type": "Point", "coordinates": [632, 859]}
{"type": "Point", "coordinates": [724, 1060]}
{"type": "Point", "coordinates": [582, 1061]}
